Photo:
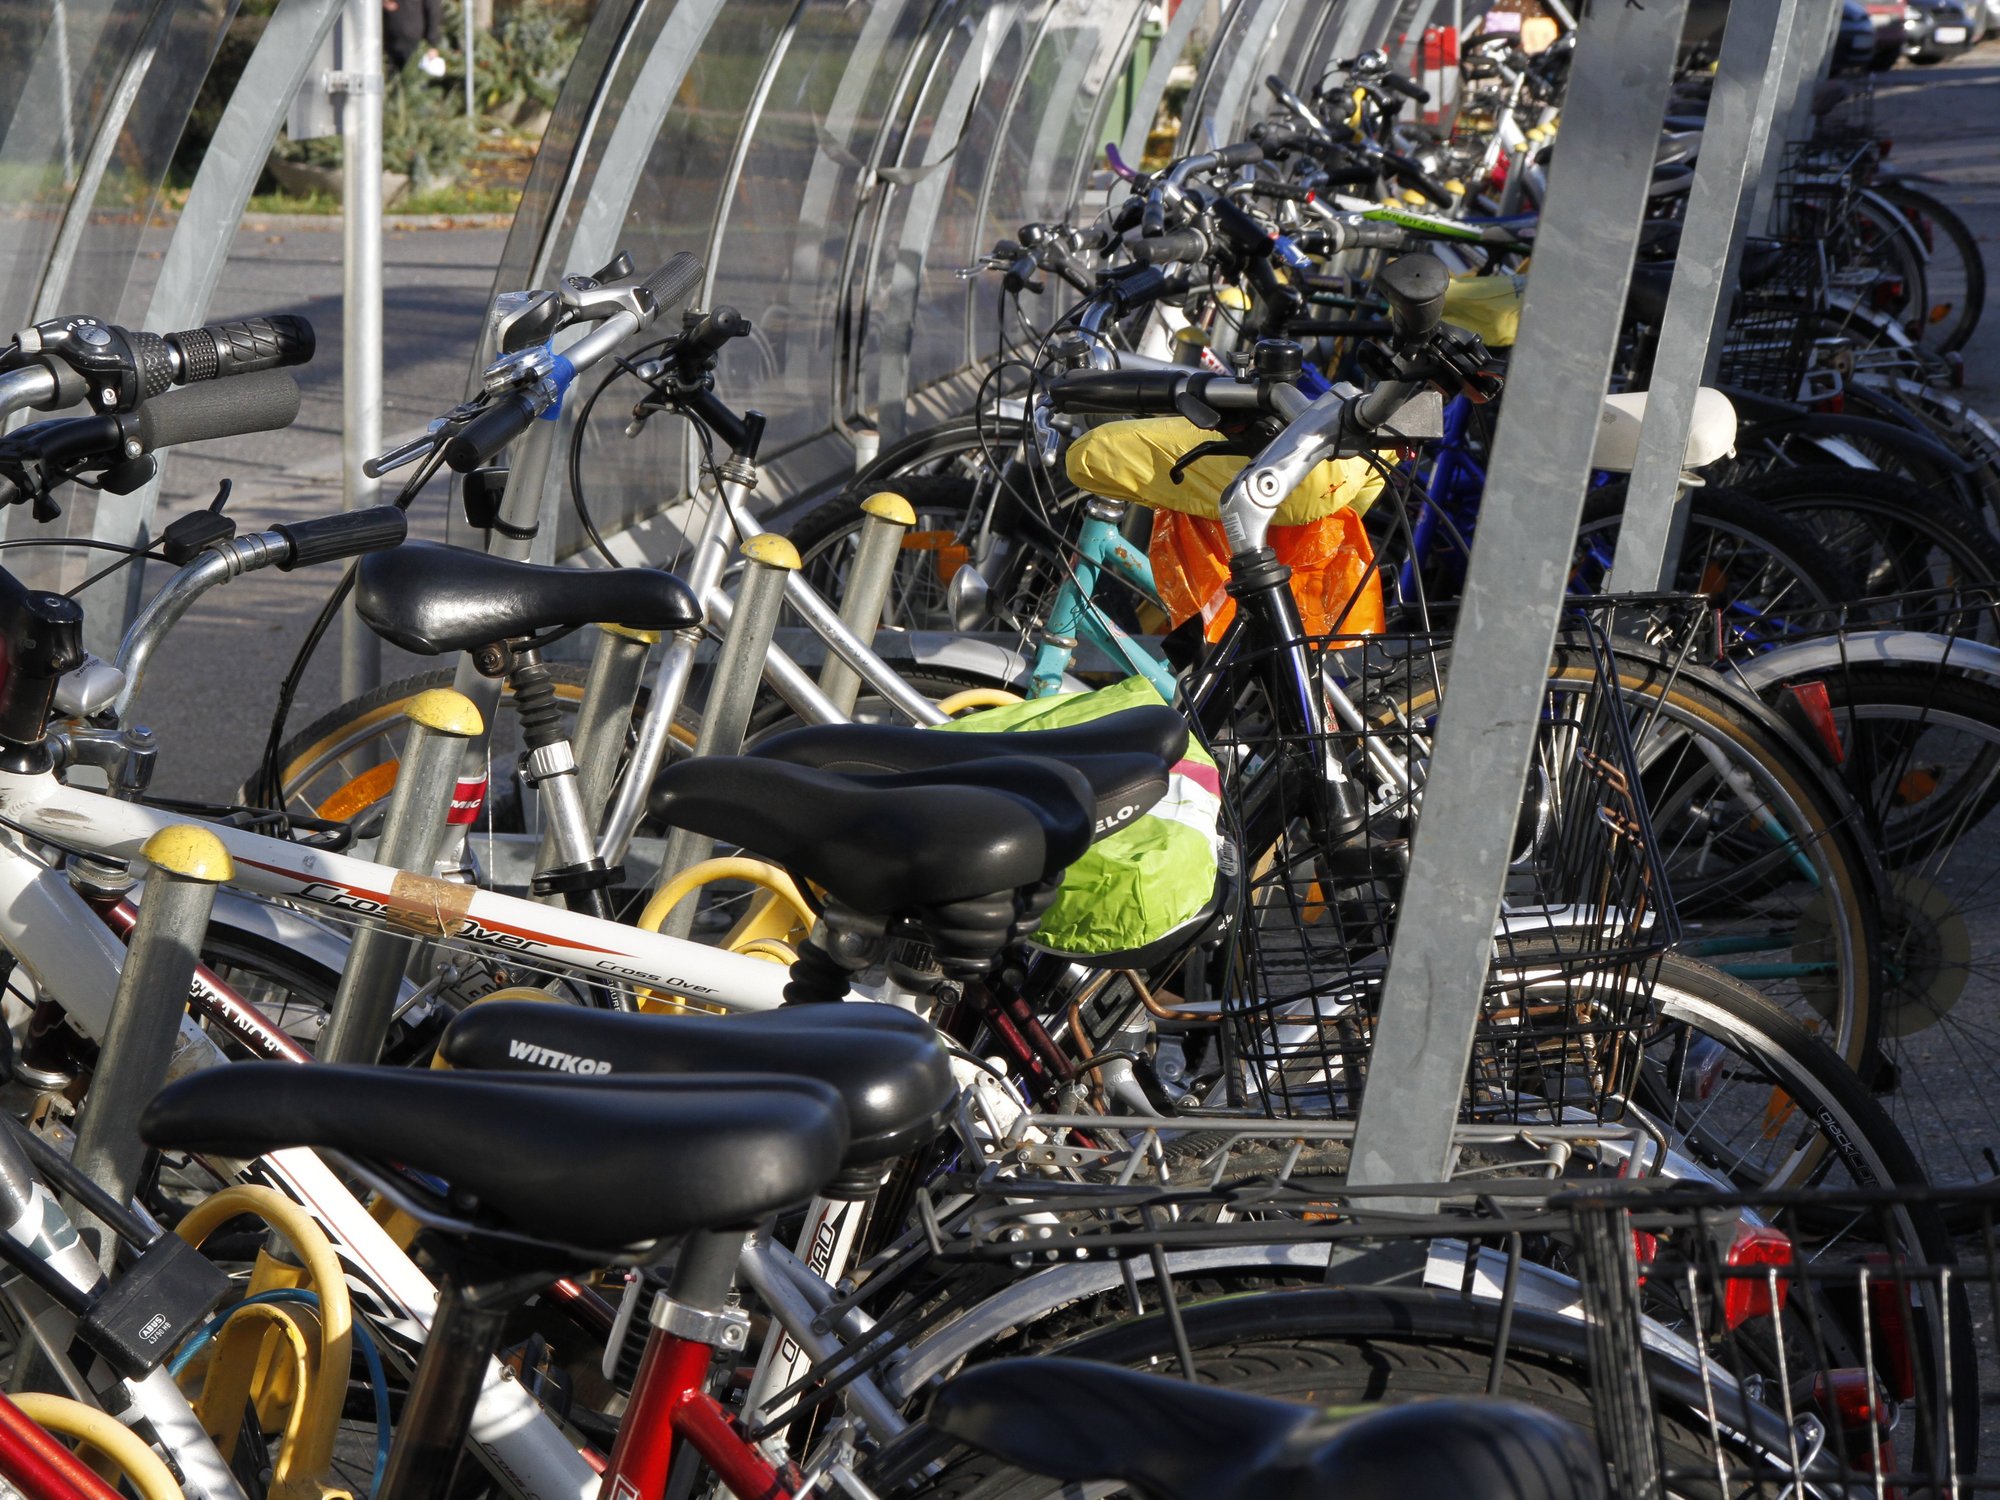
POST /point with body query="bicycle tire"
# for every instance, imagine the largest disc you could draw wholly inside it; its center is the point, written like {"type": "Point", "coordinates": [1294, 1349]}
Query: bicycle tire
{"type": "Point", "coordinates": [1944, 224]}
{"type": "Point", "coordinates": [1942, 1060]}
{"type": "Point", "coordinates": [1749, 560]}
{"type": "Point", "coordinates": [1348, 1348]}
{"type": "Point", "coordinates": [1822, 823]}
{"type": "Point", "coordinates": [1897, 536]}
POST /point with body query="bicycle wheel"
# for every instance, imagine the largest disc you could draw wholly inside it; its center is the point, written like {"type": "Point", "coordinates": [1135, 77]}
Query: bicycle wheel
{"type": "Point", "coordinates": [343, 765]}
{"type": "Point", "coordinates": [948, 508]}
{"type": "Point", "coordinates": [1768, 576]}
{"type": "Point", "coordinates": [1922, 755]}
{"type": "Point", "coordinates": [1895, 536]}
{"type": "Point", "coordinates": [1954, 270]}
{"type": "Point", "coordinates": [1359, 1348]}
{"type": "Point", "coordinates": [1764, 851]}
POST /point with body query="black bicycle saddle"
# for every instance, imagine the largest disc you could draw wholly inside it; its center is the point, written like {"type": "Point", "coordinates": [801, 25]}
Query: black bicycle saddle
{"type": "Point", "coordinates": [1125, 757]}
{"type": "Point", "coordinates": [1076, 1421]}
{"type": "Point", "coordinates": [886, 1064]}
{"type": "Point", "coordinates": [434, 599]}
{"type": "Point", "coordinates": [603, 1163]}
{"type": "Point", "coordinates": [887, 845]}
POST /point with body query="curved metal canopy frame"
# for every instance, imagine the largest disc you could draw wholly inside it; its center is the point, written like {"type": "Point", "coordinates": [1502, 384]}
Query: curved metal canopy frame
{"type": "Point", "coordinates": [836, 162]}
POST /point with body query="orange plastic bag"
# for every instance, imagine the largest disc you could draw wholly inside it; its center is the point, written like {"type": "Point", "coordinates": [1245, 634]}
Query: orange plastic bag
{"type": "Point", "coordinates": [1333, 572]}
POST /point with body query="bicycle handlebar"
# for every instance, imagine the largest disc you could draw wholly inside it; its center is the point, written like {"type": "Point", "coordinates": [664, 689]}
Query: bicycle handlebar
{"type": "Point", "coordinates": [1180, 244]}
{"type": "Point", "coordinates": [264, 402]}
{"type": "Point", "coordinates": [242, 347]}
{"type": "Point", "coordinates": [330, 538]}
{"type": "Point", "coordinates": [505, 418]}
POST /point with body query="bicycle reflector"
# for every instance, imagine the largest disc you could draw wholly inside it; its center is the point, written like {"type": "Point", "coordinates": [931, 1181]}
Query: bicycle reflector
{"type": "Point", "coordinates": [1890, 1301]}
{"type": "Point", "coordinates": [1765, 1254]}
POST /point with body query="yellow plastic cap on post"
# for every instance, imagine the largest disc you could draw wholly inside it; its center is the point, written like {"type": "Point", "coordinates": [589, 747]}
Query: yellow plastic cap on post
{"type": "Point", "coordinates": [191, 852]}
{"type": "Point", "coordinates": [891, 506]}
{"type": "Point", "coordinates": [445, 712]}
{"type": "Point", "coordinates": [773, 551]}
{"type": "Point", "coordinates": [632, 633]}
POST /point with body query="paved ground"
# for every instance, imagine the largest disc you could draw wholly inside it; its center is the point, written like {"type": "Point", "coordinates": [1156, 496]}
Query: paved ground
{"type": "Point", "coordinates": [212, 690]}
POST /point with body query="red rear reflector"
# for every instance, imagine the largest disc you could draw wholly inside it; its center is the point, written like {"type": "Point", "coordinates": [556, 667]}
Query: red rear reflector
{"type": "Point", "coordinates": [1818, 706]}
{"type": "Point", "coordinates": [1761, 1249]}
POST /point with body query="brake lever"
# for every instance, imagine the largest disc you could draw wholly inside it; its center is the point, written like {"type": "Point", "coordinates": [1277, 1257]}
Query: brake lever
{"type": "Point", "coordinates": [400, 456]}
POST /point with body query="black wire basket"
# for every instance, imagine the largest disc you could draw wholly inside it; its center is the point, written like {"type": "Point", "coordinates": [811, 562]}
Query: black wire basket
{"type": "Point", "coordinates": [1585, 916]}
{"type": "Point", "coordinates": [1769, 345]}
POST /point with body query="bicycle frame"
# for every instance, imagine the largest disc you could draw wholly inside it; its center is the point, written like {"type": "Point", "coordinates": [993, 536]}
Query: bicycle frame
{"type": "Point", "coordinates": [1074, 616]}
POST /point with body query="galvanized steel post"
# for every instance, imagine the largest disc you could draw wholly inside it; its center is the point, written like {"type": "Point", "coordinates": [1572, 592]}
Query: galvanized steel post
{"type": "Point", "coordinates": [1759, 39]}
{"type": "Point", "coordinates": [1514, 591]}
{"type": "Point", "coordinates": [441, 721]}
{"type": "Point", "coordinates": [188, 863]}
{"type": "Point", "coordinates": [887, 520]}
{"type": "Point", "coordinates": [769, 561]}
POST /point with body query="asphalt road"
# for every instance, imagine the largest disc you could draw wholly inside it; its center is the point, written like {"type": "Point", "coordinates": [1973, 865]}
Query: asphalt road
{"type": "Point", "coordinates": [212, 688]}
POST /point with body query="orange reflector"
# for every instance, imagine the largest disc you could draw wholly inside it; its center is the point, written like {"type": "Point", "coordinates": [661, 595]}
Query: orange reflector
{"type": "Point", "coordinates": [1779, 1108]}
{"type": "Point", "coordinates": [364, 791]}
{"type": "Point", "coordinates": [951, 556]}
{"type": "Point", "coordinates": [1915, 787]}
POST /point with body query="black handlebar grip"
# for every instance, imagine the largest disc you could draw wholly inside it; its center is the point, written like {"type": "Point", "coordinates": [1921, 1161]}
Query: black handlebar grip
{"type": "Point", "coordinates": [1410, 174]}
{"type": "Point", "coordinates": [1284, 192]}
{"type": "Point", "coordinates": [493, 429]}
{"type": "Point", "coordinates": [1182, 244]}
{"type": "Point", "coordinates": [1379, 237]}
{"type": "Point", "coordinates": [1120, 393]}
{"type": "Point", "coordinates": [1409, 88]}
{"type": "Point", "coordinates": [1153, 220]}
{"type": "Point", "coordinates": [243, 347]}
{"type": "Point", "coordinates": [264, 402]}
{"type": "Point", "coordinates": [716, 328]}
{"type": "Point", "coordinates": [1382, 403]}
{"type": "Point", "coordinates": [331, 538]}
{"type": "Point", "coordinates": [673, 283]}
{"type": "Point", "coordinates": [155, 358]}
{"type": "Point", "coordinates": [1240, 154]}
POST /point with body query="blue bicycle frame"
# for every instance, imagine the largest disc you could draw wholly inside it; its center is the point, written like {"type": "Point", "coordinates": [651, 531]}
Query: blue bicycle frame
{"type": "Point", "coordinates": [1074, 616]}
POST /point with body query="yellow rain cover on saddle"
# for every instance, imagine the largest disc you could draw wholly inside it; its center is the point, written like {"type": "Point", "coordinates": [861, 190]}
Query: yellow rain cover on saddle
{"type": "Point", "coordinates": [1317, 532]}
{"type": "Point", "coordinates": [1149, 879]}
{"type": "Point", "coordinates": [1489, 306]}
{"type": "Point", "coordinates": [1133, 460]}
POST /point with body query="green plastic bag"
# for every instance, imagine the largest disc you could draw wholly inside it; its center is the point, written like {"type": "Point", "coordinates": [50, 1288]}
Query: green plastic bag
{"type": "Point", "coordinates": [1146, 880]}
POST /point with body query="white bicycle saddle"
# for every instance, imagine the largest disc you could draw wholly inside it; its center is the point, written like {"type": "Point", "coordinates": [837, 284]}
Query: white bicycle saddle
{"type": "Point", "coordinates": [1711, 434]}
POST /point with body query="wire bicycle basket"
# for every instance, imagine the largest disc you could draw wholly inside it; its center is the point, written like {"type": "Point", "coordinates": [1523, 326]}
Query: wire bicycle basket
{"type": "Point", "coordinates": [1585, 916]}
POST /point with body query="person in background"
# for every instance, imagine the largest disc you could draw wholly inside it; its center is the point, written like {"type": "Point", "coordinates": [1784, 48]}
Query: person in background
{"type": "Point", "coordinates": [413, 28]}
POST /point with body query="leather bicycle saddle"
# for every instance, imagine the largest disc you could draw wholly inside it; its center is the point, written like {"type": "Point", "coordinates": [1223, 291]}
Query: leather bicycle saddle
{"type": "Point", "coordinates": [886, 1064]}
{"type": "Point", "coordinates": [1126, 757]}
{"type": "Point", "coordinates": [434, 600]}
{"type": "Point", "coordinates": [886, 845]}
{"type": "Point", "coordinates": [602, 1164]}
{"type": "Point", "coordinates": [1076, 1421]}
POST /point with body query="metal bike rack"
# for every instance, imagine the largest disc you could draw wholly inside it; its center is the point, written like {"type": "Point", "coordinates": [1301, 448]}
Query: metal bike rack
{"type": "Point", "coordinates": [188, 863]}
{"type": "Point", "coordinates": [363, 1008]}
{"type": "Point", "coordinates": [1766, 54]}
{"type": "Point", "coordinates": [1514, 589]}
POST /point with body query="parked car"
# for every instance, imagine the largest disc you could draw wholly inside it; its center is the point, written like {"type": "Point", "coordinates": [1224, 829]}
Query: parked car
{"type": "Point", "coordinates": [1935, 30]}
{"type": "Point", "coordinates": [1888, 19]}
{"type": "Point", "coordinates": [1854, 45]}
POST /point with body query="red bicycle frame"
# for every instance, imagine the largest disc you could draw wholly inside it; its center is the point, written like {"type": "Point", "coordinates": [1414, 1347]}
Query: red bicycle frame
{"type": "Point", "coordinates": [669, 1405]}
{"type": "Point", "coordinates": [40, 1467]}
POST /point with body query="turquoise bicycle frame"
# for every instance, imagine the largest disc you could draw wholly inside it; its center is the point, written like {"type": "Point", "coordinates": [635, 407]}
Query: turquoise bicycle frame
{"type": "Point", "coordinates": [1074, 616]}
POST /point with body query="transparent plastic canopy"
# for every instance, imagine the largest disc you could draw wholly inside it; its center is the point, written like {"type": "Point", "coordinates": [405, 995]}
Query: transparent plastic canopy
{"type": "Point", "coordinates": [837, 164]}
